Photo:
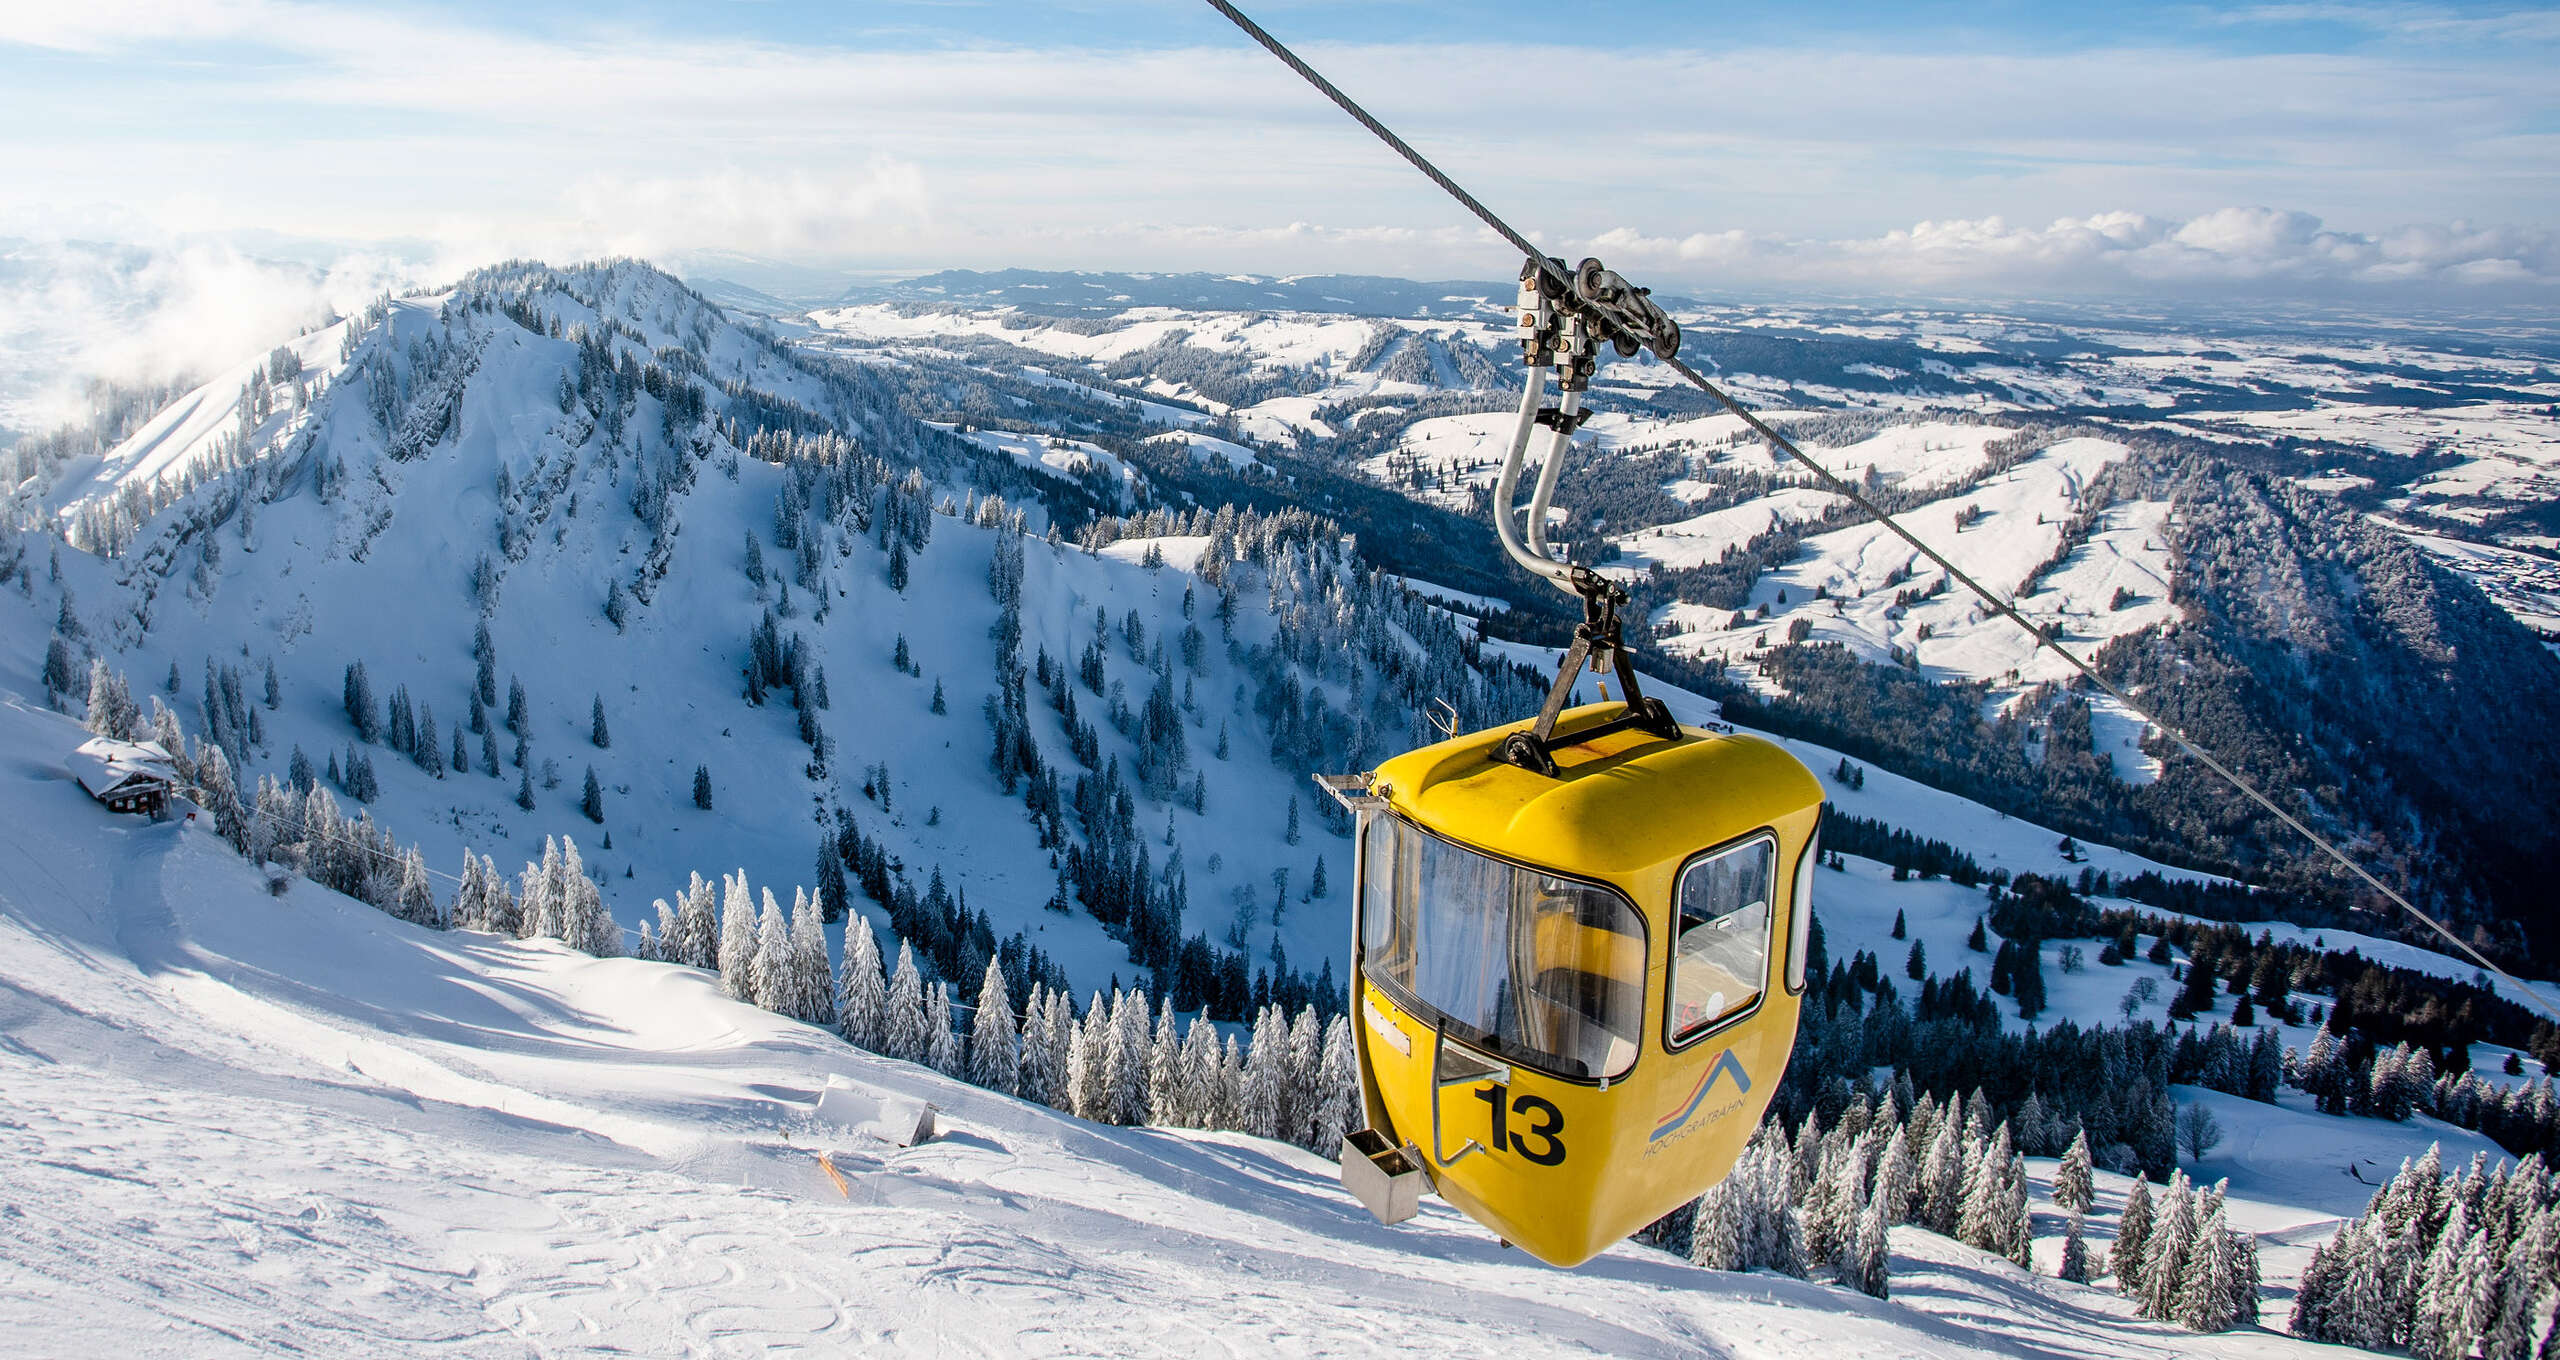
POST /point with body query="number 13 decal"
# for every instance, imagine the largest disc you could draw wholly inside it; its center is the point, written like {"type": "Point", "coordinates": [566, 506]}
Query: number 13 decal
{"type": "Point", "coordinates": [1542, 1141]}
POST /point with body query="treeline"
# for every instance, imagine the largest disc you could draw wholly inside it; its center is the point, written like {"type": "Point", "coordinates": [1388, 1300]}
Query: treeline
{"type": "Point", "coordinates": [1850, 834]}
{"type": "Point", "coordinates": [2374, 1004]}
{"type": "Point", "coordinates": [1822, 1202]}
{"type": "Point", "coordinates": [1114, 1063]}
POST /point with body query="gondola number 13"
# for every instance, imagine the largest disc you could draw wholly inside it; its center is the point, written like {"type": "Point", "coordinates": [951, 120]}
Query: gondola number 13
{"type": "Point", "coordinates": [1542, 1141]}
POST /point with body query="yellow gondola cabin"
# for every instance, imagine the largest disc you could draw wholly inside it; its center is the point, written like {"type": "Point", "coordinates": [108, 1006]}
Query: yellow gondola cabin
{"type": "Point", "coordinates": [1574, 994]}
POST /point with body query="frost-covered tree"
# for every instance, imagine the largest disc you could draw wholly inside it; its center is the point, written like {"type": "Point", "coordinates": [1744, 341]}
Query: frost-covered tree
{"type": "Point", "coordinates": [1748, 1220]}
{"type": "Point", "coordinates": [1978, 1218]}
{"type": "Point", "coordinates": [1032, 1077]}
{"type": "Point", "coordinates": [1942, 1187]}
{"type": "Point", "coordinates": [471, 898]}
{"type": "Point", "coordinates": [1266, 1075]}
{"type": "Point", "coordinates": [695, 941]}
{"type": "Point", "coordinates": [942, 1036]}
{"type": "Point", "coordinates": [1306, 1055]}
{"type": "Point", "coordinates": [813, 981]}
{"type": "Point", "coordinates": [737, 957]}
{"type": "Point", "coordinates": [769, 975]}
{"type": "Point", "coordinates": [2437, 1312]}
{"type": "Point", "coordinates": [995, 1059]}
{"type": "Point", "coordinates": [585, 924]}
{"type": "Point", "coordinates": [862, 993]}
{"type": "Point", "coordinates": [505, 913]}
{"type": "Point", "coordinates": [1869, 1266]}
{"type": "Point", "coordinates": [540, 894]}
{"type": "Point", "coordinates": [1197, 1098]}
{"type": "Point", "coordinates": [1896, 1174]}
{"type": "Point", "coordinates": [1834, 1195]}
{"type": "Point", "coordinates": [2208, 1297]}
{"type": "Point", "coordinates": [112, 712]}
{"type": "Point", "coordinates": [2133, 1238]}
{"type": "Point", "coordinates": [2075, 1253]}
{"type": "Point", "coordinates": [1164, 1070]}
{"type": "Point", "coordinates": [1088, 1062]}
{"type": "Point", "coordinates": [1337, 1103]}
{"type": "Point", "coordinates": [2074, 1188]}
{"type": "Point", "coordinates": [1124, 1060]}
{"type": "Point", "coordinates": [416, 902]}
{"type": "Point", "coordinates": [2173, 1239]}
{"type": "Point", "coordinates": [219, 794]}
{"type": "Point", "coordinates": [906, 1026]}
{"type": "Point", "coordinates": [1055, 1036]}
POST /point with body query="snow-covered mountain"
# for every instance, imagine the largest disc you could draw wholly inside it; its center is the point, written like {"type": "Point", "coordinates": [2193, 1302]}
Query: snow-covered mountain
{"type": "Point", "coordinates": [2449, 434]}
{"type": "Point", "coordinates": [2102, 470]}
{"type": "Point", "coordinates": [598, 474]}
{"type": "Point", "coordinates": [793, 601]}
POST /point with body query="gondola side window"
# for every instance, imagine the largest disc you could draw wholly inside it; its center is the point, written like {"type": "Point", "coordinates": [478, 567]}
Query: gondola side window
{"type": "Point", "coordinates": [1545, 970]}
{"type": "Point", "coordinates": [1720, 956]}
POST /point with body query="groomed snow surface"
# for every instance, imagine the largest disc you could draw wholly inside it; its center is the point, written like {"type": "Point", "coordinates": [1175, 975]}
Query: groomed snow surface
{"type": "Point", "coordinates": [242, 1124]}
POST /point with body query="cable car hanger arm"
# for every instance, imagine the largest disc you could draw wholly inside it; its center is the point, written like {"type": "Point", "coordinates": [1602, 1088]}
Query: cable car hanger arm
{"type": "Point", "coordinates": [1552, 271]}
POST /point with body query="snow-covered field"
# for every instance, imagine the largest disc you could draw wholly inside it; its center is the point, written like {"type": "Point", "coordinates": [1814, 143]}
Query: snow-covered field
{"type": "Point", "coordinates": [2359, 385]}
{"type": "Point", "coordinates": [242, 1124]}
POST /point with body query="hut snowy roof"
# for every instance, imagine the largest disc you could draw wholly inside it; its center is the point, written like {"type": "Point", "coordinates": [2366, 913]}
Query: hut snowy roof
{"type": "Point", "coordinates": [104, 765]}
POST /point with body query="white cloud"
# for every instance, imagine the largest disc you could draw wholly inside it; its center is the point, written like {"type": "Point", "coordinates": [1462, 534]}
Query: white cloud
{"type": "Point", "coordinates": [75, 311]}
{"type": "Point", "coordinates": [2269, 250]}
{"type": "Point", "coordinates": [379, 122]}
{"type": "Point", "coordinates": [792, 214]}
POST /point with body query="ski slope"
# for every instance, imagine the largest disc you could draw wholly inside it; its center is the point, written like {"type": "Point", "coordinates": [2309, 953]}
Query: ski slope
{"type": "Point", "coordinates": [242, 1124]}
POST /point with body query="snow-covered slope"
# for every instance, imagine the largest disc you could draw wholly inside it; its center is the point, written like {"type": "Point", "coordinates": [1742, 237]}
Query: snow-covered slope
{"type": "Point", "coordinates": [241, 1124]}
{"type": "Point", "coordinates": [497, 493]}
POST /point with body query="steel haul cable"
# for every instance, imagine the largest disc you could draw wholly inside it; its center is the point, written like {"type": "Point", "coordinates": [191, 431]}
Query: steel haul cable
{"type": "Point", "coordinates": [1835, 484]}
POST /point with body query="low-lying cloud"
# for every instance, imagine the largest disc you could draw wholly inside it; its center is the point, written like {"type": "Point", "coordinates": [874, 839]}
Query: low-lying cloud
{"type": "Point", "coordinates": [2234, 251]}
{"type": "Point", "coordinates": [73, 312]}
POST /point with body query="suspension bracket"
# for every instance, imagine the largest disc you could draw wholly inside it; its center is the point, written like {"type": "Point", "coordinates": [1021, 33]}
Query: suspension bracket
{"type": "Point", "coordinates": [1599, 644]}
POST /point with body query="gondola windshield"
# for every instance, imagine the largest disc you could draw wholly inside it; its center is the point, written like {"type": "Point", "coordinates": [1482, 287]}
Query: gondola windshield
{"type": "Point", "coordinates": [1723, 946]}
{"type": "Point", "coordinates": [1545, 971]}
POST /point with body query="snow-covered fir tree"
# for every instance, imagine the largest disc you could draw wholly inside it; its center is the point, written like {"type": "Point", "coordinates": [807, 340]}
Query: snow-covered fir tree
{"type": "Point", "coordinates": [995, 1059]}
{"type": "Point", "coordinates": [2075, 1252]}
{"type": "Point", "coordinates": [737, 956]}
{"type": "Point", "coordinates": [1748, 1220]}
{"type": "Point", "coordinates": [862, 992]}
{"type": "Point", "coordinates": [813, 983]}
{"type": "Point", "coordinates": [906, 1027]}
{"type": "Point", "coordinates": [2073, 1185]}
{"type": "Point", "coordinates": [942, 1037]}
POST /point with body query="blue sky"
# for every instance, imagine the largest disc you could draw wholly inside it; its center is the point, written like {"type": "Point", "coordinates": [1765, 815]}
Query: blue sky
{"type": "Point", "coordinates": [2332, 150]}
